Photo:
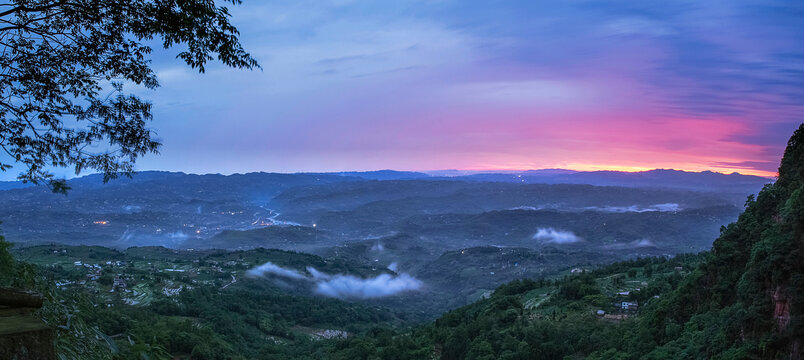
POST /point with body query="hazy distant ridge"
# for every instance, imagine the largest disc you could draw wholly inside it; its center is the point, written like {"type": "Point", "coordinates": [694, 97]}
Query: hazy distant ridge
{"type": "Point", "coordinates": [703, 181]}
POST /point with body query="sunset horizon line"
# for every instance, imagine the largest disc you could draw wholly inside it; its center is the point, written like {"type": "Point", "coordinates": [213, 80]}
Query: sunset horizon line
{"type": "Point", "coordinates": [444, 172]}
{"type": "Point", "coordinates": [469, 171]}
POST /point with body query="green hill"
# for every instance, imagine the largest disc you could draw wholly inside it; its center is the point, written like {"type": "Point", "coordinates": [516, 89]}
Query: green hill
{"type": "Point", "coordinates": [742, 300]}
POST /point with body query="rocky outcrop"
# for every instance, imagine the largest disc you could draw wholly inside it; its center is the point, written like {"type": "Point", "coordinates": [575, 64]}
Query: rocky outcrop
{"type": "Point", "coordinates": [23, 336]}
{"type": "Point", "coordinates": [781, 311]}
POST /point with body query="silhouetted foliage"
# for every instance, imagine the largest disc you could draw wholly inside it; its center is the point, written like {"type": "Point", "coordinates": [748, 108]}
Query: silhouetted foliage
{"type": "Point", "coordinates": [65, 64]}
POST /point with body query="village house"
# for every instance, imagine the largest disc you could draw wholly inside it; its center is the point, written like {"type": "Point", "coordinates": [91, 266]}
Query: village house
{"type": "Point", "coordinates": [119, 283]}
{"type": "Point", "coordinates": [629, 305]}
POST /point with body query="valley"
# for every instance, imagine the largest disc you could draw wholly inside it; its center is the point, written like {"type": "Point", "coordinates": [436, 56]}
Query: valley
{"type": "Point", "coordinates": [457, 238]}
{"type": "Point", "coordinates": [348, 267]}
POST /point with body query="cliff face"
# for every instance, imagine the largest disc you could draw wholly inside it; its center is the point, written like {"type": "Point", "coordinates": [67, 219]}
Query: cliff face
{"type": "Point", "coordinates": [777, 261]}
{"type": "Point", "coordinates": [781, 311]}
{"type": "Point", "coordinates": [752, 285]}
{"type": "Point", "coordinates": [23, 336]}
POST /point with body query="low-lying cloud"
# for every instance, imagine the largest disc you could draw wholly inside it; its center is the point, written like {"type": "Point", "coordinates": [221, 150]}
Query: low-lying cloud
{"type": "Point", "coordinates": [529, 208]}
{"type": "Point", "coordinates": [178, 235]}
{"type": "Point", "coordinates": [343, 286]}
{"type": "Point", "coordinates": [132, 209]}
{"type": "Point", "coordinates": [270, 268]}
{"type": "Point", "coordinates": [667, 207]}
{"type": "Point", "coordinates": [553, 236]}
{"type": "Point", "coordinates": [131, 238]}
{"type": "Point", "coordinates": [348, 286]}
{"type": "Point", "coordinates": [664, 207]}
{"type": "Point", "coordinates": [642, 243]}
{"type": "Point", "coordinates": [378, 247]}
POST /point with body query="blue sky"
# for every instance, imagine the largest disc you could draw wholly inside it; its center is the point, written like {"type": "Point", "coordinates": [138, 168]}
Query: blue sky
{"type": "Point", "coordinates": [420, 85]}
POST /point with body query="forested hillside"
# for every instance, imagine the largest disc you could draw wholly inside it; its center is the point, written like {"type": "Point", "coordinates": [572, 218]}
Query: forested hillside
{"type": "Point", "coordinates": [743, 301]}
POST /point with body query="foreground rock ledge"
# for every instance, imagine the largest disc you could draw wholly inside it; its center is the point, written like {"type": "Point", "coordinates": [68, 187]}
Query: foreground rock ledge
{"type": "Point", "coordinates": [23, 336]}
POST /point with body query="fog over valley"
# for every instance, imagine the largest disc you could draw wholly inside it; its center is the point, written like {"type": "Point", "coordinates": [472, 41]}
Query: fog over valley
{"type": "Point", "coordinates": [423, 238]}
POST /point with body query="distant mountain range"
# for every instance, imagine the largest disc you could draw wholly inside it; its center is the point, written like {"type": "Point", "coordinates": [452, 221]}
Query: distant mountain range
{"type": "Point", "coordinates": [8, 185]}
{"type": "Point", "coordinates": [658, 178]}
{"type": "Point", "coordinates": [734, 183]}
{"type": "Point", "coordinates": [175, 209]}
{"type": "Point", "coordinates": [461, 234]}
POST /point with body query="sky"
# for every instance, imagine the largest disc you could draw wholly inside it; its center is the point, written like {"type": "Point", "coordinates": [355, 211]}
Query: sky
{"type": "Point", "coordinates": [490, 85]}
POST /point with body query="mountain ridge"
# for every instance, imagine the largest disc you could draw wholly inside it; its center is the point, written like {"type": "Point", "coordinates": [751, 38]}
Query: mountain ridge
{"type": "Point", "coordinates": [545, 175]}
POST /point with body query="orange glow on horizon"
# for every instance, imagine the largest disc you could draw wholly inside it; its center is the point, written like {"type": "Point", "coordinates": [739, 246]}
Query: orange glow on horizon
{"type": "Point", "coordinates": [633, 169]}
